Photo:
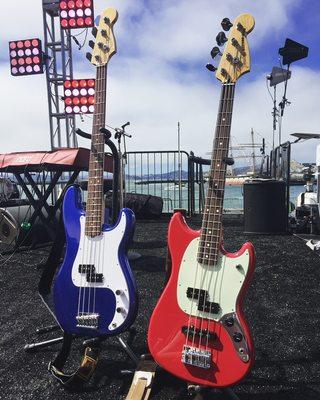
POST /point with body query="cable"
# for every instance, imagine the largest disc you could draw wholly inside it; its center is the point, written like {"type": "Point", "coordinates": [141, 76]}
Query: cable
{"type": "Point", "coordinates": [74, 37]}
{"type": "Point", "coordinates": [269, 91]}
{"type": "Point", "coordinates": [262, 137]}
{"type": "Point", "coordinates": [80, 33]}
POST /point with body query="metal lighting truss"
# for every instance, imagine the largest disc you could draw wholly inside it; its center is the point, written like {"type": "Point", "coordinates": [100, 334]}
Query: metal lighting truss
{"type": "Point", "coordinates": [58, 57]}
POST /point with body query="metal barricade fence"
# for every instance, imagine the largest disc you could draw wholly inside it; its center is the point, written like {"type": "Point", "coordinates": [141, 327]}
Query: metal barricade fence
{"type": "Point", "coordinates": [159, 173]}
{"type": "Point", "coordinates": [178, 178]}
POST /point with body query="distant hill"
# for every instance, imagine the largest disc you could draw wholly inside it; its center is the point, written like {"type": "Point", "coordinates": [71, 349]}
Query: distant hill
{"type": "Point", "coordinates": [242, 170]}
{"type": "Point", "coordinates": [172, 175]}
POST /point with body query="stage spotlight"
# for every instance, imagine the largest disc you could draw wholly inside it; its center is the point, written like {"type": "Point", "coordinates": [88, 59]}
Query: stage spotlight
{"type": "Point", "coordinates": [26, 57]}
{"type": "Point", "coordinates": [278, 75]}
{"type": "Point", "coordinates": [79, 96]}
{"type": "Point", "coordinates": [76, 14]}
{"type": "Point", "coordinates": [293, 51]}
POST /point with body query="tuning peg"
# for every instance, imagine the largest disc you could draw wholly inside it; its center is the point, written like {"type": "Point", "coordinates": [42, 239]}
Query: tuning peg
{"type": "Point", "coordinates": [221, 38]}
{"type": "Point", "coordinates": [89, 56]}
{"type": "Point", "coordinates": [211, 67]}
{"type": "Point", "coordinates": [215, 51]}
{"type": "Point", "coordinates": [226, 24]}
{"type": "Point", "coordinates": [91, 43]}
{"type": "Point", "coordinates": [94, 31]}
{"type": "Point", "coordinates": [103, 47]}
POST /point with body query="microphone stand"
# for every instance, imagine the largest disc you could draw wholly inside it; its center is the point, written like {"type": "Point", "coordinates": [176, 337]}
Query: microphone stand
{"type": "Point", "coordinates": [121, 134]}
{"type": "Point", "coordinates": [275, 114]}
{"type": "Point", "coordinates": [283, 104]}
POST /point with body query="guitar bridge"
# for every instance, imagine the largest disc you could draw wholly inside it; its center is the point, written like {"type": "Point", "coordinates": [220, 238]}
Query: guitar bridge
{"type": "Point", "coordinates": [196, 357]}
{"type": "Point", "coordinates": [89, 321]}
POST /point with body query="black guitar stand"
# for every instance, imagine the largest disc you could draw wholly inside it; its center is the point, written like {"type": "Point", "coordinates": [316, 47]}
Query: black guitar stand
{"type": "Point", "coordinates": [204, 393]}
{"type": "Point", "coordinates": [116, 169]}
{"type": "Point", "coordinates": [92, 345]}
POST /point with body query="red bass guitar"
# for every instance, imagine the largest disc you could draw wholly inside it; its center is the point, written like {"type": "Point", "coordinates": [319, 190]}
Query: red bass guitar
{"type": "Point", "coordinates": [197, 330]}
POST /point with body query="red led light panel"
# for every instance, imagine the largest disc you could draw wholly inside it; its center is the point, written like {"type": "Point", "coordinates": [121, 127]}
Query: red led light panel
{"type": "Point", "coordinates": [76, 14]}
{"type": "Point", "coordinates": [79, 96]}
{"type": "Point", "coordinates": [26, 57]}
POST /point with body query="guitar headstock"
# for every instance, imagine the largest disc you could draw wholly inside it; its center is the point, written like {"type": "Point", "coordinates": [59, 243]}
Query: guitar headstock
{"type": "Point", "coordinates": [235, 60]}
{"type": "Point", "coordinates": [104, 46]}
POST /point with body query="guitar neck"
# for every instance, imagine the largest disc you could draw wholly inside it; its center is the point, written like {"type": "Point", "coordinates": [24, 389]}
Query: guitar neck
{"type": "Point", "coordinates": [95, 204]}
{"type": "Point", "coordinates": [211, 223]}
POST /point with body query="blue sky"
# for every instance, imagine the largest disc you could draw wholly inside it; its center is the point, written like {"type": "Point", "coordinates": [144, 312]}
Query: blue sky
{"type": "Point", "coordinates": [303, 27]}
{"type": "Point", "coordinates": [158, 77]}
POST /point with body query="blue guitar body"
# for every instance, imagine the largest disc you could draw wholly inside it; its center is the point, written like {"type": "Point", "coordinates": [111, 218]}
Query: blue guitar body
{"type": "Point", "coordinates": [94, 291]}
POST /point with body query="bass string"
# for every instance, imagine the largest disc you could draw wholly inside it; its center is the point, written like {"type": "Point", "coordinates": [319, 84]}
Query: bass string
{"type": "Point", "coordinates": [90, 203]}
{"type": "Point", "coordinates": [94, 221]}
{"type": "Point", "coordinates": [83, 268]}
{"type": "Point", "coordinates": [99, 242]}
{"type": "Point", "coordinates": [224, 133]}
{"type": "Point", "coordinates": [204, 222]}
{"type": "Point", "coordinates": [205, 225]}
{"type": "Point", "coordinates": [208, 270]}
{"type": "Point", "coordinates": [87, 253]}
{"type": "Point", "coordinates": [214, 203]}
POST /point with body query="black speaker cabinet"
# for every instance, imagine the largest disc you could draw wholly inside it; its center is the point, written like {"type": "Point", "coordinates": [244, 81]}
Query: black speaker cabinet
{"type": "Point", "coordinates": [265, 206]}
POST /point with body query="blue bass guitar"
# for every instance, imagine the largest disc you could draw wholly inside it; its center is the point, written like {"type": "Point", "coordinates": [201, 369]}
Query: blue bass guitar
{"type": "Point", "coordinates": [94, 291]}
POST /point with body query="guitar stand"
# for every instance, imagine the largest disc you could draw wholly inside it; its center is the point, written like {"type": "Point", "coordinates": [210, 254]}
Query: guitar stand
{"type": "Point", "coordinates": [88, 363]}
{"type": "Point", "coordinates": [124, 345]}
{"type": "Point", "coordinates": [54, 258]}
{"type": "Point", "coordinates": [116, 168]}
{"type": "Point", "coordinates": [40, 345]}
{"type": "Point", "coordinates": [204, 393]}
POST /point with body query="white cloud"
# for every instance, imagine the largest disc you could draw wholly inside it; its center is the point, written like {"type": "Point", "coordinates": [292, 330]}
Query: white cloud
{"type": "Point", "coordinates": [179, 31]}
{"type": "Point", "coordinates": [24, 112]}
{"type": "Point", "coordinates": [20, 19]}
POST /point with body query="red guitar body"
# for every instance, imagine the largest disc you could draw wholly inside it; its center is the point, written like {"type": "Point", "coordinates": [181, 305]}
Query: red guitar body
{"type": "Point", "coordinates": [230, 360]}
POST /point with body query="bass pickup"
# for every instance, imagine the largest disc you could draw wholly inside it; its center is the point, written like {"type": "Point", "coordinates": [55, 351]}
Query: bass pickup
{"type": "Point", "coordinates": [203, 334]}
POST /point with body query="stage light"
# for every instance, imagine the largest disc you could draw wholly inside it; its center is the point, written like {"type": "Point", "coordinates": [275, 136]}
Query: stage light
{"type": "Point", "coordinates": [76, 14]}
{"type": "Point", "coordinates": [278, 75]}
{"type": "Point", "coordinates": [293, 51]}
{"type": "Point", "coordinates": [79, 96]}
{"type": "Point", "coordinates": [26, 57]}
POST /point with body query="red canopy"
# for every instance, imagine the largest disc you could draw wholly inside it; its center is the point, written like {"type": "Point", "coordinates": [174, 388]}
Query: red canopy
{"type": "Point", "coordinates": [65, 159]}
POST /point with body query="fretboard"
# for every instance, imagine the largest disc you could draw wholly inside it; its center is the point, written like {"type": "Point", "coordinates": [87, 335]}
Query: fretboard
{"type": "Point", "coordinates": [210, 237]}
{"type": "Point", "coordinates": [95, 204]}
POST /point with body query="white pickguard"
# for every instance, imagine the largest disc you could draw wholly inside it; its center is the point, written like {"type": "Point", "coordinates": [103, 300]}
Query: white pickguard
{"type": "Point", "coordinates": [102, 252]}
{"type": "Point", "coordinates": [222, 281]}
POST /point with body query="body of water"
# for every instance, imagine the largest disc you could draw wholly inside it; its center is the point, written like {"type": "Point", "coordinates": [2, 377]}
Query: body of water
{"type": "Point", "coordinates": [233, 199]}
